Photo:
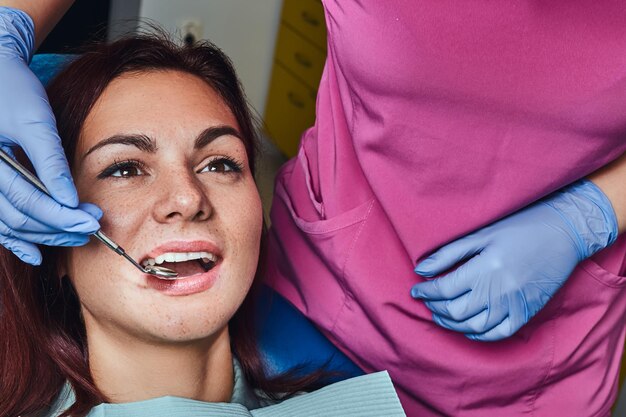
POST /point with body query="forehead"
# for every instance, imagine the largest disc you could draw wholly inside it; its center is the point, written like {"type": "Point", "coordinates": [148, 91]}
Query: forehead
{"type": "Point", "coordinates": [158, 103]}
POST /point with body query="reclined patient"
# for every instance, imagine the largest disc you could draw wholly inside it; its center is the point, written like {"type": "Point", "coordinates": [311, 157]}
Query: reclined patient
{"type": "Point", "coordinates": [161, 139]}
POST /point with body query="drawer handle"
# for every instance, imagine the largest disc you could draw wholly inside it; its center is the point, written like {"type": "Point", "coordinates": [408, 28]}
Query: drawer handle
{"type": "Point", "coordinates": [293, 98]}
{"type": "Point", "coordinates": [302, 60]}
{"type": "Point", "coordinates": [311, 20]}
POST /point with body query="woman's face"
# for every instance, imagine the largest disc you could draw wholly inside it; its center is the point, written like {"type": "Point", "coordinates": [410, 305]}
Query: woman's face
{"type": "Point", "coordinates": [160, 154]}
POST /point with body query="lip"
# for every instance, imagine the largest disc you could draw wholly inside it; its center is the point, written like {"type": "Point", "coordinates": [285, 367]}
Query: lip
{"type": "Point", "coordinates": [185, 286]}
{"type": "Point", "coordinates": [188, 285]}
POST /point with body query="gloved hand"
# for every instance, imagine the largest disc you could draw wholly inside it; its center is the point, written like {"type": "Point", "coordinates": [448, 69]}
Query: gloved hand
{"type": "Point", "coordinates": [28, 216]}
{"type": "Point", "coordinates": [517, 263]}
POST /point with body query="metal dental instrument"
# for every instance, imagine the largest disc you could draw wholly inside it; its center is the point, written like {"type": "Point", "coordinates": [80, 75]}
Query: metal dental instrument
{"type": "Point", "coordinates": [157, 271]}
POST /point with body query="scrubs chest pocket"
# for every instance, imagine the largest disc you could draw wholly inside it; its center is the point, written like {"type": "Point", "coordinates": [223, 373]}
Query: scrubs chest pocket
{"type": "Point", "coordinates": [331, 237]}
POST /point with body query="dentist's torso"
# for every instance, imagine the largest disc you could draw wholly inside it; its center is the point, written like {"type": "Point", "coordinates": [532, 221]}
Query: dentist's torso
{"type": "Point", "coordinates": [435, 119]}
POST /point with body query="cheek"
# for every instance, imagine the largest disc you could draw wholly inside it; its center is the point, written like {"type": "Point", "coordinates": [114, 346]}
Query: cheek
{"type": "Point", "coordinates": [243, 217]}
{"type": "Point", "coordinates": [123, 212]}
{"type": "Point", "coordinates": [94, 269]}
{"type": "Point", "coordinates": [247, 220]}
{"type": "Point", "coordinates": [89, 271]}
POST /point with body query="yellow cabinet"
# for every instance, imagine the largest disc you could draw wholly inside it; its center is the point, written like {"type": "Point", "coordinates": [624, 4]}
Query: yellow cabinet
{"type": "Point", "coordinates": [291, 110]}
{"type": "Point", "coordinates": [298, 65]}
{"type": "Point", "coordinates": [302, 58]}
{"type": "Point", "coordinates": [307, 17]}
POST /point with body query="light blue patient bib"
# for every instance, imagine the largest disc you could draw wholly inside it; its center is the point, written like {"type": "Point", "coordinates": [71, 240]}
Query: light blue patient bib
{"type": "Point", "coordinates": [370, 395]}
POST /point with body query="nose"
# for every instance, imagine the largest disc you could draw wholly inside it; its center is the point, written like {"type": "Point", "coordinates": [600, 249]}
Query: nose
{"type": "Point", "coordinates": [181, 197]}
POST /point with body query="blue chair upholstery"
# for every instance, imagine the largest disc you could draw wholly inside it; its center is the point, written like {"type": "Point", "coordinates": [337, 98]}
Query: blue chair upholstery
{"type": "Point", "coordinates": [46, 66]}
{"type": "Point", "coordinates": [286, 337]}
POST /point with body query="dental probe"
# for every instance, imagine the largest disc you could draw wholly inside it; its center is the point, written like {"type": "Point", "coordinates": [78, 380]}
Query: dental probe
{"type": "Point", "coordinates": [157, 271]}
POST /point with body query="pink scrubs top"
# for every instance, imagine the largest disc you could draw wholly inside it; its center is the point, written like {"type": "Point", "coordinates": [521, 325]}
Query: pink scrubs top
{"type": "Point", "coordinates": [434, 119]}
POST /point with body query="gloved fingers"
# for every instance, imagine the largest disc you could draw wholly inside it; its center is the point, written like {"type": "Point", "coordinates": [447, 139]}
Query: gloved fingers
{"type": "Point", "coordinates": [458, 309]}
{"type": "Point", "coordinates": [515, 319]}
{"type": "Point", "coordinates": [27, 252]}
{"type": "Point", "coordinates": [448, 287]}
{"type": "Point", "coordinates": [48, 158]}
{"type": "Point", "coordinates": [49, 239]}
{"type": "Point", "coordinates": [63, 239]}
{"type": "Point", "coordinates": [501, 331]}
{"type": "Point", "coordinates": [449, 255]}
{"type": "Point", "coordinates": [91, 209]}
{"type": "Point", "coordinates": [478, 324]}
{"type": "Point", "coordinates": [16, 222]}
{"type": "Point", "coordinates": [23, 201]}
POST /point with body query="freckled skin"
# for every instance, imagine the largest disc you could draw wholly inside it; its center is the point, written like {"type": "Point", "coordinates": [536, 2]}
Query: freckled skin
{"type": "Point", "coordinates": [170, 201]}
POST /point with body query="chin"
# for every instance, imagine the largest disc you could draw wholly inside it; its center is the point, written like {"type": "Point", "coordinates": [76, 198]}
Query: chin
{"type": "Point", "coordinates": [189, 327]}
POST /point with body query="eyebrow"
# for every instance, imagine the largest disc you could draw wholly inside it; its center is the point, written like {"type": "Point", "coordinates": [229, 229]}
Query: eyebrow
{"type": "Point", "coordinates": [141, 142]}
{"type": "Point", "coordinates": [209, 135]}
{"type": "Point", "coordinates": [147, 144]}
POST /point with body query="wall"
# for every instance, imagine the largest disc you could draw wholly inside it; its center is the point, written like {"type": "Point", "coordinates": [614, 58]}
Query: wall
{"type": "Point", "coordinates": [244, 29]}
{"type": "Point", "coordinates": [122, 18]}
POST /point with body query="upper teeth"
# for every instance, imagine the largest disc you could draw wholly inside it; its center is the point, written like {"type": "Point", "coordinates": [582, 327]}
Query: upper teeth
{"type": "Point", "coordinates": [180, 257]}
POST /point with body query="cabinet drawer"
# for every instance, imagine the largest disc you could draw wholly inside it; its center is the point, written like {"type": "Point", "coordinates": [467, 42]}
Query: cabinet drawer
{"type": "Point", "coordinates": [307, 17]}
{"type": "Point", "coordinates": [290, 110]}
{"type": "Point", "coordinates": [300, 56]}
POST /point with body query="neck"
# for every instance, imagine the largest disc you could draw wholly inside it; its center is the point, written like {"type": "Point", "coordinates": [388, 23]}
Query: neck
{"type": "Point", "coordinates": [127, 369]}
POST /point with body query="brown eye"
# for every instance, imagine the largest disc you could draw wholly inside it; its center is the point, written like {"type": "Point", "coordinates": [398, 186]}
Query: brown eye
{"type": "Point", "coordinates": [223, 165]}
{"type": "Point", "coordinates": [127, 172]}
{"type": "Point", "coordinates": [124, 169]}
{"type": "Point", "coordinates": [219, 166]}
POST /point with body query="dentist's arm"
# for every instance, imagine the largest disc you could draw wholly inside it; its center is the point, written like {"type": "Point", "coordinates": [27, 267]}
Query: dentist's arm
{"type": "Point", "coordinates": [515, 265]}
{"type": "Point", "coordinates": [44, 13]}
{"type": "Point", "coordinates": [27, 216]}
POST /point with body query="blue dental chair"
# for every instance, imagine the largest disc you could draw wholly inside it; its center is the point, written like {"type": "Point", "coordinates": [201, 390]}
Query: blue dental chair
{"type": "Point", "coordinates": [286, 338]}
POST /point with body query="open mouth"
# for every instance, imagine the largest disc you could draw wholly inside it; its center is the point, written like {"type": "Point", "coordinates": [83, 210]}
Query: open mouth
{"type": "Point", "coordinates": [186, 264]}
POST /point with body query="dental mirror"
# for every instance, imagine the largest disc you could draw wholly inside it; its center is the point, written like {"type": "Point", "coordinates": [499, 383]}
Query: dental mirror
{"type": "Point", "coordinates": [161, 272]}
{"type": "Point", "coordinates": [157, 271]}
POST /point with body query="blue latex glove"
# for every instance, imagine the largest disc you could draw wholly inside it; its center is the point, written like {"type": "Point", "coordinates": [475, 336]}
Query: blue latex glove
{"type": "Point", "coordinates": [27, 216]}
{"type": "Point", "coordinates": [517, 263]}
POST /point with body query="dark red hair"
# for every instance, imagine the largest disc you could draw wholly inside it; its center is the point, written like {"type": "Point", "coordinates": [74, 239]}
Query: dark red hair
{"type": "Point", "coordinates": [42, 337]}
